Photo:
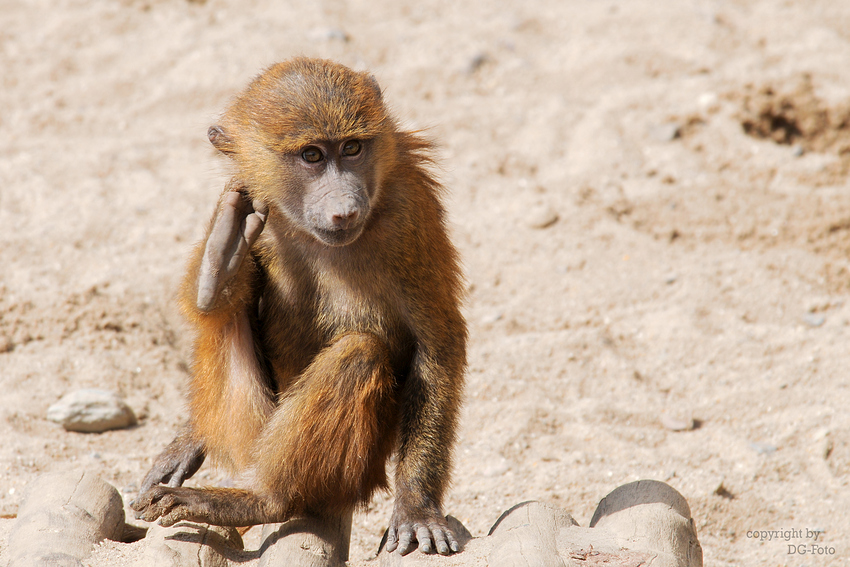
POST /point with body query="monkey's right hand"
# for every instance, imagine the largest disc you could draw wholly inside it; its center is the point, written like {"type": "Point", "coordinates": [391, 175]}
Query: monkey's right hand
{"type": "Point", "coordinates": [177, 463]}
{"type": "Point", "coordinates": [237, 225]}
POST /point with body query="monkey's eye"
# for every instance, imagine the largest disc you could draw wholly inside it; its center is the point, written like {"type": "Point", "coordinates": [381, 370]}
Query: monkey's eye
{"type": "Point", "coordinates": [351, 148]}
{"type": "Point", "coordinates": [312, 154]}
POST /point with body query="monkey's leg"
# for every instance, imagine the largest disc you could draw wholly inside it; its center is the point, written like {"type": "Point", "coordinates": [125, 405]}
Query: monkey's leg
{"type": "Point", "coordinates": [177, 463]}
{"type": "Point", "coordinates": [323, 450]}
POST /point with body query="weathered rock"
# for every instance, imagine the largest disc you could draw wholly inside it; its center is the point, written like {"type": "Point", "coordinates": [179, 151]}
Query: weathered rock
{"type": "Point", "coordinates": [527, 534]}
{"type": "Point", "coordinates": [187, 544]}
{"type": "Point", "coordinates": [91, 411]}
{"type": "Point", "coordinates": [641, 523]}
{"type": "Point", "coordinates": [652, 517]}
{"type": "Point", "coordinates": [306, 542]}
{"type": "Point", "coordinates": [62, 518]}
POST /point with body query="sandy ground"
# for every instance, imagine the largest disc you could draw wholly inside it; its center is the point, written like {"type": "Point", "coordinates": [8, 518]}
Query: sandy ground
{"type": "Point", "coordinates": [695, 153]}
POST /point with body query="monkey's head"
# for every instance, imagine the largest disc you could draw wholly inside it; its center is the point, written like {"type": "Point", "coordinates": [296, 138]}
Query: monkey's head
{"type": "Point", "coordinates": [312, 139]}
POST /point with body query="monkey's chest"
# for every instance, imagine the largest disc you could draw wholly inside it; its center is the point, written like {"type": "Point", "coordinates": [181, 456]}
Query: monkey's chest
{"type": "Point", "coordinates": [299, 323]}
{"type": "Point", "coordinates": [352, 306]}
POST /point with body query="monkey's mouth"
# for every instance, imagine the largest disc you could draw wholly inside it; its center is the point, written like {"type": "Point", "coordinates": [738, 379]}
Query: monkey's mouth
{"type": "Point", "coordinates": [337, 237]}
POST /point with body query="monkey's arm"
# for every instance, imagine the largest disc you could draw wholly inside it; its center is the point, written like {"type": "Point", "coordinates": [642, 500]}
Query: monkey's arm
{"type": "Point", "coordinates": [236, 226]}
{"type": "Point", "coordinates": [430, 408]}
{"type": "Point", "coordinates": [211, 294]}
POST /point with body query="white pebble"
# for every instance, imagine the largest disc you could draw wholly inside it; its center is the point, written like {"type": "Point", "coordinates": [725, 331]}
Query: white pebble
{"type": "Point", "coordinates": [91, 411]}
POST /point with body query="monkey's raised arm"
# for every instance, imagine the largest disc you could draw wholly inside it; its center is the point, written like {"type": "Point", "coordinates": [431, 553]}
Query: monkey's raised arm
{"type": "Point", "coordinates": [214, 288]}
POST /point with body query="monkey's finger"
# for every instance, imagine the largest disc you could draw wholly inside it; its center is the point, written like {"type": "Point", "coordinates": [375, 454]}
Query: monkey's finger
{"type": "Point", "coordinates": [163, 503]}
{"type": "Point", "coordinates": [226, 226]}
{"type": "Point", "coordinates": [152, 512]}
{"type": "Point", "coordinates": [177, 514]}
{"type": "Point", "coordinates": [237, 198]}
{"type": "Point", "coordinates": [423, 535]}
{"type": "Point", "coordinates": [392, 539]}
{"type": "Point", "coordinates": [149, 482]}
{"type": "Point", "coordinates": [254, 225]}
{"type": "Point", "coordinates": [405, 540]}
{"type": "Point", "coordinates": [453, 543]}
{"type": "Point", "coordinates": [137, 505]}
{"type": "Point", "coordinates": [159, 473]}
{"type": "Point", "coordinates": [260, 208]}
{"type": "Point", "coordinates": [440, 540]}
{"type": "Point", "coordinates": [142, 501]}
{"type": "Point", "coordinates": [149, 515]}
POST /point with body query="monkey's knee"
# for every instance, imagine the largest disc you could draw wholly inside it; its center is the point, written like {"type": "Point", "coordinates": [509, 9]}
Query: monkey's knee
{"type": "Point", "coordinates": [328, 441]}
{"type": "Point", "coordinates": [358, 354]}
{"type": "Point", "coordinates": [352, 380]}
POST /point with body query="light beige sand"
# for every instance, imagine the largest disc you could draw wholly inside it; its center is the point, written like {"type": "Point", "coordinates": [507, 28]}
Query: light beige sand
{"type": "Point", "coordinates": [694, 271]}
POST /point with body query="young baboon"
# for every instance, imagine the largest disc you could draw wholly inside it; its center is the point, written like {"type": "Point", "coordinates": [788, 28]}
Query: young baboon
{"type": "Point", "coordinates": [325, 298]}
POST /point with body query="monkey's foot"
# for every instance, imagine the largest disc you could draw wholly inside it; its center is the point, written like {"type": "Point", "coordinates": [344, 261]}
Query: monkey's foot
{"type": "Point", "coordinates": [172, 505]}
{"type": "Point", "coordinates": [431, 533]}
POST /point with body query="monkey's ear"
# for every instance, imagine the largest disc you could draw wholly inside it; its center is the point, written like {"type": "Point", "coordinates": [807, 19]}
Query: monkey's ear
{"type": "Point", "coordinates": [222, 142]}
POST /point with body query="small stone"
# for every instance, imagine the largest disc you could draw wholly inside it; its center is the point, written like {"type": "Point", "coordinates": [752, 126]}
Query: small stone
{"type": "Point", "coordinates": [670, 279]}
{"type": "Point", "coordinates": [814, 319]}
{"type": "Point", "coordinates": [676, 424]}
{"type": "Point", "coordinates": [665, 132]}
{"type": "Point", "coordinates": [723, 492]}
{"type": "Point", "coordinates": [91, 411]}
{"type": "Point", "coordinates": [491, 318]}
{"type": "Point", "coordinates": [542, 216]}
{"type": "Point", "coordinates": [478, 61]}
{"type": "Point", "coordinates": [762, 448]}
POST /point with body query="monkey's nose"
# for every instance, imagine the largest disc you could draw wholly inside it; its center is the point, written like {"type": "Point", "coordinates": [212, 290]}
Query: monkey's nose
{"type": "Point", "coordinates": [344, 219]}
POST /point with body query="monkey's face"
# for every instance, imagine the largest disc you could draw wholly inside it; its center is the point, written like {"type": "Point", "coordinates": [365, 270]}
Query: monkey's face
{"type": "Point", "coordinates": [312, 139]}
{"type": "Point", "coordinates": [332, 186]}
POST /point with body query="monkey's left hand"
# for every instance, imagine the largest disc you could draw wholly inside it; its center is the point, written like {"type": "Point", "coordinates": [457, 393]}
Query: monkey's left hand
{"type": "Point", "coordinates": [237, 225]}
{"type": "Point", "coordinates": [429, 528]}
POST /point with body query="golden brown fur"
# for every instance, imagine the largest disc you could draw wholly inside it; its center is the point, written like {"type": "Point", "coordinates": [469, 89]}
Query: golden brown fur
{"type": "Point", "coordinates": [323, 354]}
